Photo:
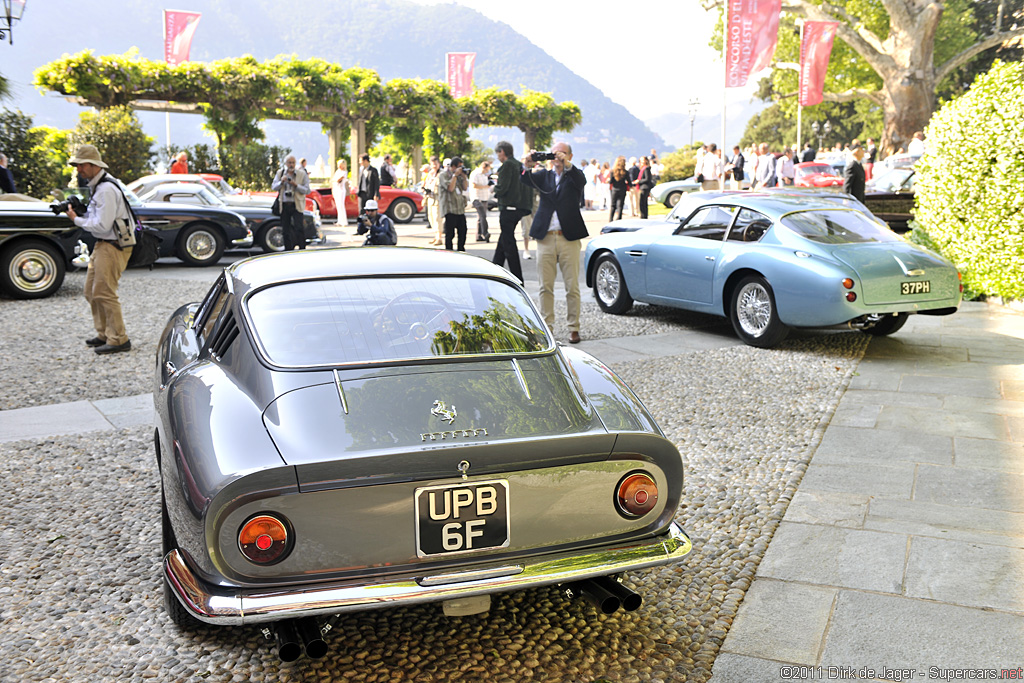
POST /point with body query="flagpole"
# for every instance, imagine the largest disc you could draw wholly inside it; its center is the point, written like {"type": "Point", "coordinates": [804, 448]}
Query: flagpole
{"type": "Point", "coordinates": [799, 99]}
{"type": "Point", "coordinates": [725, 90]}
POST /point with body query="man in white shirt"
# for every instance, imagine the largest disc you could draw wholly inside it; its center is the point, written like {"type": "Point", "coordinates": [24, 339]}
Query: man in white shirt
{"type": "Point", "coordinates": [711, 168]}
{"type": "Point", "coordinates": [916, 146]}
{"type": "Point", "coordinates": [480, 180]}
{"type": "Point", "coordinates": [109, 259]}
{"type": "Point", "coordinates": [784, 169]}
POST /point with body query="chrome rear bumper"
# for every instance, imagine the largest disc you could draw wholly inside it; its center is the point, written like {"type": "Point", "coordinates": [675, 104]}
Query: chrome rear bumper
{"type": "Point", "coordinates": [216, 605]}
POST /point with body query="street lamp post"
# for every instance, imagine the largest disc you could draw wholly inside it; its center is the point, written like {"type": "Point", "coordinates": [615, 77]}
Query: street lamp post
{"type": "Point", "coordinates": [693, 104]}
{"type": "Point", "coordinates": [821, 132]}
{"type": "Point", "coordinates": [13, 9]}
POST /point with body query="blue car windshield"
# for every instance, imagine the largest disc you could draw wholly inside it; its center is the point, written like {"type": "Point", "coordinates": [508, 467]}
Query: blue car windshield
{"type": "Point", "coordinates": [372, 320]}
{"type": "Point", "coordinates": [837, 227]}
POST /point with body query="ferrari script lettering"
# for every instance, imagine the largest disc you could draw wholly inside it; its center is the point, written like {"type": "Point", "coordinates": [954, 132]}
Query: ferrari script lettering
{"type": "Point", "coordinates": [434, 436]}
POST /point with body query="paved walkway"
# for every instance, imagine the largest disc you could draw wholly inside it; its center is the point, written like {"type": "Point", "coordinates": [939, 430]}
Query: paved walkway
{"type": "Point", "coordinates": [901, 556]}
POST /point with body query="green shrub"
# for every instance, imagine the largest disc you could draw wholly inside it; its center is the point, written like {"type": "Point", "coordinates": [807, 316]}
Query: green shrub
{"type": "Point", "coordinates": [969, 197]}
{"type": "Point", "coordinates": [678, 165]}
{"type": "Point", "coordinates": [252, 166]}
{"type": "Point", "coordinates": [36, 158]}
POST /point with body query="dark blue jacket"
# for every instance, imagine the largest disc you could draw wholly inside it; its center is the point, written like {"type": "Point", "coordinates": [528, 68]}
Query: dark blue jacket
{"type": "Point", "coordinates": [7, 181]}
{"type": "Point", "coordinates": [565, 200]}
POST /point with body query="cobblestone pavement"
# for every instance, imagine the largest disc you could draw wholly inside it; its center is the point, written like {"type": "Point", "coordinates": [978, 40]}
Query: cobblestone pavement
{"type": "Point", "coordinates": [80, 593]}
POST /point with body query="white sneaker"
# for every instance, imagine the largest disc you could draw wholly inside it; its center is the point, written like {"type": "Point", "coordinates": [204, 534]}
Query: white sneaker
{"type": "Point", "coordinates": [527, 255]}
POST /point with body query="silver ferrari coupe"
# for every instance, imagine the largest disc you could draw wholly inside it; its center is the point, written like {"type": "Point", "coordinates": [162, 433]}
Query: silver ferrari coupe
{"type": "Point", "coordinates": [348, 429]}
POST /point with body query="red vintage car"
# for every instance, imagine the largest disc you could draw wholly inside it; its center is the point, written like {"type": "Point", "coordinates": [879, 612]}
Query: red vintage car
{"type": "Point", "coordinates": [816, 174]}
{"type": "Point", "coordinates": [400, 205]}
{"type": "Point", "coordinates": [228, 191]}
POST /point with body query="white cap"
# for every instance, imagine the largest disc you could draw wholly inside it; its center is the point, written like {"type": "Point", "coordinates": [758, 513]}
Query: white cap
{"type": "Point", "coordinates": [370, 205]}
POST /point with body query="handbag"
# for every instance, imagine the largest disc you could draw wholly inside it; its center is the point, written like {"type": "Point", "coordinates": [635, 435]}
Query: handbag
{"type": "Point", "coordinates": [276, 208]}
{"type": "Point", "coordinates": [700, 177]}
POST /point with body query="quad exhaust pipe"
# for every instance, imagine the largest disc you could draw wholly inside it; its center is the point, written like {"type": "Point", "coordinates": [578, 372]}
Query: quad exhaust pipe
{"type": "Point", "coordinates": [606, 594]}
{"type": "Point", "coordinates": [296, 636]}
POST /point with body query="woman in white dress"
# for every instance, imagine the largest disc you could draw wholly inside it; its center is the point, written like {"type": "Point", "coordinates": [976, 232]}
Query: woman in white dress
{"type": "Point", "coordinates": [340, 190]}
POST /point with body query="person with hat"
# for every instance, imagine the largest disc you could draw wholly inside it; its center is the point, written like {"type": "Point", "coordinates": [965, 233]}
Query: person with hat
{"type": "Point", "coordinates": [109, 259]}
{"type": "Point", "coordinates": [292, 186]}
{"type": "Point", "coordinates": [381, 229]}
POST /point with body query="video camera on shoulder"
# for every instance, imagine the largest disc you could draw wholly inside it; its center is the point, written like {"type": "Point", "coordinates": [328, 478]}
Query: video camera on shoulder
{"type": "Point", "coordinates": [542, 156]}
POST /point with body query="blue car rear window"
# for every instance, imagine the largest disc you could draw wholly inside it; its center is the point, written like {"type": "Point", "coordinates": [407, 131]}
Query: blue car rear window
{"type": "Point", "coordinates": [368, 320]}
{"type": "Point", "coordinates": [837, 227]}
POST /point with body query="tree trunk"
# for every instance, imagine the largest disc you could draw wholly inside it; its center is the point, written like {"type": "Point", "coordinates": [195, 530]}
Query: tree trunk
{"type": "Point", "coordinates": [908, 107]}
{"type": "Point", "coordinates": [358, 145]}
{"type": "Point", "coordinates": [530, 138]}
{"type": "Point", "coordinates": [417, 162]}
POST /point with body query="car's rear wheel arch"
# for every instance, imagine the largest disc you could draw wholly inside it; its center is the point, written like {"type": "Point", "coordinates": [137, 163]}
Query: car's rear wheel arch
{"type": "Point", "coordinates": [592, 266]}
{"type": "Point", "coordinates": [730, 287]}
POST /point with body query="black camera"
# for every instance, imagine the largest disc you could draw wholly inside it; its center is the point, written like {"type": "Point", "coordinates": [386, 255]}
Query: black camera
{"type": "Point", "coordinates": [542, 156]}
{"type": "Point", "coordinates": [72, 202]}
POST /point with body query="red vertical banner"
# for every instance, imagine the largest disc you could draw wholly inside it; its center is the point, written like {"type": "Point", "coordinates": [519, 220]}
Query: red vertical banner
{"type": "Point", "coordinates": [752, 32]}
{"type": "Point", "coordinates": [815, 50]}
{"type": "Point", "coordinates": [459, 72]}
{"type": "Point", "coordinates": [179, 27]}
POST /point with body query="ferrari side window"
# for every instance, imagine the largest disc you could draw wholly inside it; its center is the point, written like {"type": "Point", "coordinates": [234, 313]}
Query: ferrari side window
{"type": "Point", "coordinates": [750, 226]}
{"type": "Point", "coordinates": [709, 222]}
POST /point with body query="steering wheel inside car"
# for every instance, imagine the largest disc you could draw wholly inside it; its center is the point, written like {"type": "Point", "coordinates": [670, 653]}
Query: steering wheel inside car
{"type": "Point", "coordinates": [415, 316]}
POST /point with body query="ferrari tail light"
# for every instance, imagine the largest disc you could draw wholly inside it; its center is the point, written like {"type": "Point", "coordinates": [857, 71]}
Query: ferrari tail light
{"type": "Point", "coordinates": [848, 283]}
{"type": "Point", "coordinates": [960, 277]}
{"type": "Point", "coordinates": [851, 296]}
{"type": "Point", "coordinates": [637, 494]}
{"type": "Point", "coordinates": [264, 539]}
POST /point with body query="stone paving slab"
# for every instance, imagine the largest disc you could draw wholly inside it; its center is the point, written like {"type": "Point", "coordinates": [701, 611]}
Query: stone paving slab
{"type": "Point", "coordinates": [945, 422]}
{"type": "Point", "coordinates": [732, 668]}
{"type": "Point", "coordinates": [951, 386]}
{"type": "Point", "coordinates": [945, 521]}
{"type": "Point", "coordinates": [969, 574]}
{"type": "Point", "coordinates": [890, 398]}
{"type": "Point", "coordinates": [985, 453]}
{"type": "Point", "coordinates": [884, 446]}
{"type": "Point", "coordinates": [783, 621]}
{"type": "Point", "coordinates": [128, 411]}
{"type": "Point", "coordinates": [970, 487]}
{"type": "Point", "coordinates": [52, 420]}
{"type": "Point", "coordinates": [834, 509]}
{"type": "Point", "coordinates": [876, 631]}
{"type": "Point", "coordinates": [890, 481]}
{"type": "Point", "coordinates": [834, 556]}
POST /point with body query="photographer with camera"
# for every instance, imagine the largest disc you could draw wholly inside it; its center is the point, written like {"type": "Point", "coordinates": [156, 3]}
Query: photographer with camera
{"type": "Point", "coordinates": [109, 220]}
{"type": "Point", "coordinates": [451, 184]}
{"type": "Point", "coordinates": [381, 229]}
{"type": "Point", "coordinates": [558, 228]}
{"type": "Point", "coordinates": [292, 185]}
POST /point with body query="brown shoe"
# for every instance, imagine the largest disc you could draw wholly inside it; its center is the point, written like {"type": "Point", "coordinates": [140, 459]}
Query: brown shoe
{"type": "Point", "coordinates": [574, 337]}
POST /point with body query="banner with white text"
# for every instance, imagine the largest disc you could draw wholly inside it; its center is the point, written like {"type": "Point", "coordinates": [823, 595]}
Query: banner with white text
{"type": "Point", "coordinates": [179, 27]}
{"type": "Point", "coordinates": [459, 72]}
{"type": "Point", "coordinates": [751, 37]}
{"type": "Point", "coordinates": [815, 51]}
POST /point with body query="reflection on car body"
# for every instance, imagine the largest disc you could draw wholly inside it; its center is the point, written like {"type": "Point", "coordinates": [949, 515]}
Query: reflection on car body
{"type": "Point", "coordinates": [346, 429]}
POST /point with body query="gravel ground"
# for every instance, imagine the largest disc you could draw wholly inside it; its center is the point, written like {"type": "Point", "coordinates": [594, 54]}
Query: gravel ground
{"type": "Point", "coordinates": [80, 595]}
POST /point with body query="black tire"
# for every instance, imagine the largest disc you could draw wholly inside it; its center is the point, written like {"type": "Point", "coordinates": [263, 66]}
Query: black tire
{"type": "Point", "coordinates": [610, 288]}
{"type": "Point", "coordinates": [887, 325]}
{"type": "Point", "coordinates": [673, 198]}
{"type": "Point", "coordinates": [31, 269]}
{"type": "Point", "coordinates": [402, 210]}
{"type": "Point", "coordinates": [200, 245]}
{"type": "Point", "coordinates": [270, 238]}
{"type": "Point", "coordinates": [179, 615]}
{"type": "Point", "coordinates": [753, 313]}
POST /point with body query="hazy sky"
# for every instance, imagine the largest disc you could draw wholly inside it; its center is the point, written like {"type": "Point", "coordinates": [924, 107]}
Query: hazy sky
{"type": "Point", "coordinates": [651, 56]}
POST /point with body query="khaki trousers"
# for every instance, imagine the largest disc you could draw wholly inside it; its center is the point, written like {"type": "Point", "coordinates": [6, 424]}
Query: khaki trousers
{"type": "Point", "coordinates": [554, 251]}
{"type": "Point", "coordinates": [105, 268]}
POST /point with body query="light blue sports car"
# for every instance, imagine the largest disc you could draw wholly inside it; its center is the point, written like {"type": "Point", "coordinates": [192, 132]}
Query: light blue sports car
{"type": "Point", "coordinates": [771, 261]}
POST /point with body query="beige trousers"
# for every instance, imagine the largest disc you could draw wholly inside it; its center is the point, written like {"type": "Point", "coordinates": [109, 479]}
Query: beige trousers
{"type": "Point", "coordinates": [105, 268]}
{"type": "Point", "coordinates": [555, 252]}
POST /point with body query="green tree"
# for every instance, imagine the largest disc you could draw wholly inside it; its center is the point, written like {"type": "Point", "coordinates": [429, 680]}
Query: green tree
{"type": "Point", "coordinates": [36, 167]}
{"type": "Point", "coordinates": [974, 159]}
{"type": "Point", "coordinates": [894, 53]}
{"type": "Point", "coordinates": [117, 134]}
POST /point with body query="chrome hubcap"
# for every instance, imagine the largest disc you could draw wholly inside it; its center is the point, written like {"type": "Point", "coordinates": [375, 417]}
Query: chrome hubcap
{"type": "Point", "coordinates": [33, 270]}
{"type": "Point", "coordinates": [275, 238]}
{"type": "Point", "coordinates": [402, 211]}
{"type": "Point", "coordinates": [753, 309]}
{"type": "Point", "coordinates": [201, 245]}
{"type": "Point", "coordinates": [608, 282]}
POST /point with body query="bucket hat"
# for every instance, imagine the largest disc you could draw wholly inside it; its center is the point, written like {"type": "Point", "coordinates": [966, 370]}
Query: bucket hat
{"type": "Point", "coordinates": [87, 154]}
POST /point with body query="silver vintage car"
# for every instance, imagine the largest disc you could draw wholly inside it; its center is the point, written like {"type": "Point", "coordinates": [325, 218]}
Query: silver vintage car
{"type": "Point", "coordinates": [347, 429]}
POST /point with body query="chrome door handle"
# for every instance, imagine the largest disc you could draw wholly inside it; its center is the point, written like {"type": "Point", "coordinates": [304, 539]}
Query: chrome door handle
{"type": "Point", "coordinates": [709, 258]}
{"type": "Point", "coordinates": [169, 368]}
{"type": "Point", "coordinates": [636, 253]}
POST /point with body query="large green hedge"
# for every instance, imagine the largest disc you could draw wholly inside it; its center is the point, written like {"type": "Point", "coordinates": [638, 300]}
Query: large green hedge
{"type": "Point", "coordinates": [970, 187]}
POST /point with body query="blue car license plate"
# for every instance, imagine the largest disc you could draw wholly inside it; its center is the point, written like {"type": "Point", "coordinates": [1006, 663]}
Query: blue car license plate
{"type": "Point", "coordinates": [919, 287]}
{"type": "Point", "coordinates": [461, 518]}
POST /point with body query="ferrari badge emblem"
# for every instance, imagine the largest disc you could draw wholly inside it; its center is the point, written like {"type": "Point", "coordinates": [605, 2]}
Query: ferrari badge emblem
{"type": "Point", "coordinates": [442, 411]}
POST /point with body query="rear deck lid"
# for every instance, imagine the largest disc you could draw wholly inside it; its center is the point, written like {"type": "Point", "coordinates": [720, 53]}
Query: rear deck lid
{"type": "Point", "coordinates": [897, 272]}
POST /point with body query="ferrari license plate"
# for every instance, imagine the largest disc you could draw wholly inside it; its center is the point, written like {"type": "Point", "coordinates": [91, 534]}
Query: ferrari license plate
{"type": "Point", "coordinates": [461, 518]}
{"type": "Point", "coordinates": [920, 287]}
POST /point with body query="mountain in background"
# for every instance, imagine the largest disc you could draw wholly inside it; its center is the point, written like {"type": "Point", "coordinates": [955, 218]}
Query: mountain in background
{"type": "Point", "coordinates": [397, 39]}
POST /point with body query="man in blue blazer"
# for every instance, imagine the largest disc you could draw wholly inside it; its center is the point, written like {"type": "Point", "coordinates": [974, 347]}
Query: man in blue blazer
{"type": "Point", "coordinates": [558, 228]}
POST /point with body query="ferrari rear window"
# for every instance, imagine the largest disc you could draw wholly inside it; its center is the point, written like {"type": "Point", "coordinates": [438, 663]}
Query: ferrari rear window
{"type": "Point", "coordinates": [837, 227]}
{"type": "Point", "coordinates": [369, 320]}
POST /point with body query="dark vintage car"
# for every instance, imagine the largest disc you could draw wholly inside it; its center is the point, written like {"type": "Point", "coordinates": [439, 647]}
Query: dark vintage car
{"type": "Point", "coordinates": [348, 429]}
{"type": "Point", "coordinates": [890, 196]}
{"type": "Point", "coordinates": [265, 226]}
{"type": "Point", "coordinates": [37, 246]}
{"type": "Point", "coordinates": [216, 184]}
